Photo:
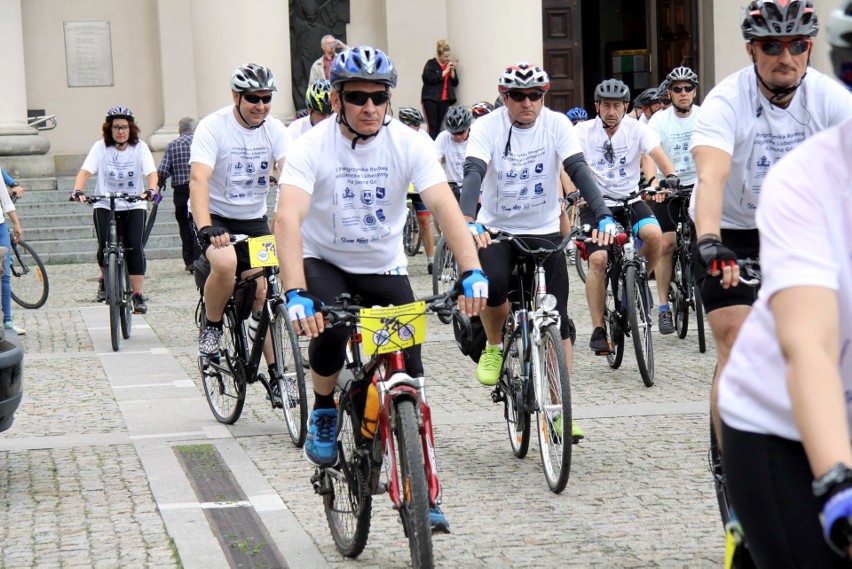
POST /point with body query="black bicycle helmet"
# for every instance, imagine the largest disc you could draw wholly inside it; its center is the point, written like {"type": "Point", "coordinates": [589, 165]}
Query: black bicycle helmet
{"type": "Point", "coordinates": [410, 116]}
{"type": "Point", "coordinates": [772, 18]}
{"type": "Point", "coordinates": [612, 89]}
{"type": "Point", "coordinates": [647, 98]}
{"type": "Point", "coordinates": [458, 119]}
{"type": "Point", "coordinates": [252, 77]}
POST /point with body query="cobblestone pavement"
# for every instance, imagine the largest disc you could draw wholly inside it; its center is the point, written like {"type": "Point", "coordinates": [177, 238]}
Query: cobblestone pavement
{"type": "Point", "coordinates": [86, 481]}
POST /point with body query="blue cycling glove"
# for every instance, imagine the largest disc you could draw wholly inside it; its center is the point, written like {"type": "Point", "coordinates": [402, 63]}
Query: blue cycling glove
{"type": "Point", "coordinates": [475, 228]}
{"type": "Point", "coordinates": [835, 521]}
{"type": "Point", "coordinates": [473, 284]}
{"type": "Point", "coordinates": [301, 304]}
{"type": "Point", "coordinates": [607, 225]}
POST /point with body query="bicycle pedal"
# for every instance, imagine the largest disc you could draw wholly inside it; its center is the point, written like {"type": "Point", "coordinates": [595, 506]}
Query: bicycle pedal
{"type": "Point", "coordinates": [603, 353]}
{"type": "Point", "coordinates": [498, 396]}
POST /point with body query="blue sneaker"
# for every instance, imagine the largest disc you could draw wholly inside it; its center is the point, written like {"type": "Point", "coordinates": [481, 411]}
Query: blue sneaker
{"type": "Point", "coordinates": [438, 520]}
{"type": "Point", "coordinates": [321, 442]}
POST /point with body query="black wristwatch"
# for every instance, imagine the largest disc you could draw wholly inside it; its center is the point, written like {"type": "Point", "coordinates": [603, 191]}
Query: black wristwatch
{"type": "Point", "coordinates": [839, 474]}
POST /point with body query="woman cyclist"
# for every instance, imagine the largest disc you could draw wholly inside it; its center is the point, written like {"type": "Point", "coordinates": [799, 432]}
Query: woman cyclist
{"type": "Point", "coordinates": [123, 161]}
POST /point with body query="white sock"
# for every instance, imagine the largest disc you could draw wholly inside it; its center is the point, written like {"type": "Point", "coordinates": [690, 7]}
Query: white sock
{"type": "Point", "coordinates": [500, 345]}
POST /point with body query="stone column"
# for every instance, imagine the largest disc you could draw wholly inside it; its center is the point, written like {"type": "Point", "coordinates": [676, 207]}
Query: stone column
{"type": "Point", "coordinates": [177, 69]}
{"type": "Point", "coordinates": [21, 146]}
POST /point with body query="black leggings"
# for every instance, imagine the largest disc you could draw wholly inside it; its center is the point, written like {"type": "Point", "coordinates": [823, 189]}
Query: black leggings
{"type": "Point", "coordinates": [435, 113]}
{"type": "Point", "coordinates": [131, 226]}
{"type": "Point", "coordinates": [769, 482]}
{"type": "Point", "coordinates": [326, 282]}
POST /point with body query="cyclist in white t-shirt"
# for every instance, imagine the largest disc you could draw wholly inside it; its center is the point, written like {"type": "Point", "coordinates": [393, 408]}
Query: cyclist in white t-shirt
{"type": "Point", "coordinates": [513, 159]}
{"type": "Point", "coordinates": [230, 165]}
{"type": "Point", "coordinates": [451, 144]}
{"type": "Point", "coordinates": [784, 393]}
{"type": "Point", "coordinates": [748, 122]}
{"type": "Point", "coordinates": [345, 184]}
{"type": "Point", "coordinates": [674, 127]}
{"type": "Point", "coordinates": [124, 164]}
{"type": "Point", "coordinates": [613, 143]}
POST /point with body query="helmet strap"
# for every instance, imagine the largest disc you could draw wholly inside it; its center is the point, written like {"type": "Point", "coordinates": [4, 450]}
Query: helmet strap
{"type": "Point", "coordinates": [239, 112]}
{"type": "Point", "coordinates": [778, 93]}
{"type": "Point", "coordinates": [682, 111]}
{"type": "Point", "coordinates": [341, 119]}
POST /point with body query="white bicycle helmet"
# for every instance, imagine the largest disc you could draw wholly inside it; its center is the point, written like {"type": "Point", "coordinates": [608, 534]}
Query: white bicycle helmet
{"type": "Point", "coordinates": [252, 77]}
{"type": "Point", "coordinates": [523, 75]}
{"type": "Point", "coordinates": [120, 113]}
{"type": "Point", "coordinates": [772, 18]}
{"type": "Point", "coordinates": [682, 73]}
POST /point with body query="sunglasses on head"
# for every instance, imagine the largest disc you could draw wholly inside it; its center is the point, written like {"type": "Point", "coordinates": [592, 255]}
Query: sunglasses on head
{"type": "Point", "coordinates": [255, 99]}
{"type": "Point", "coordinates": [517, 96]}
{"type": "Point", "coordinates": [360, 98]}
{"type": "Point", "coordinates": [687, 89]}
{"type": "Point", "coordinates": [775, 47]}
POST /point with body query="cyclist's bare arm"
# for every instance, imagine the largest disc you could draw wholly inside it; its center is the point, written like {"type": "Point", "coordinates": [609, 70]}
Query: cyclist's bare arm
{"type": "Point", "coordinates": [664, 164]}
{"type": "Point", "coordinates": [153, 181]}
{"type": "Point", "coordinates": [649, 168]}
{"type": "Point", "coordinates": [713, 166]}
{"type": "Point", "coordinates": [199, 201]}
{"type": "Point", "coordinates": [440, 201]}
{"type": "Point", "coordinates": [81, 181]}
{"type": "Point", "coordinates": [811, 349]}
{"type": "Point", "coordinates": [288, 243]}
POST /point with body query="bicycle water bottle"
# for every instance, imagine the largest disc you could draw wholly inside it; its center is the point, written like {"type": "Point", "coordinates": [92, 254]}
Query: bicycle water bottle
{"type": "Point", "coordinates": [371, 412]}
{"type": "Point", "coordinates": [254, 322]}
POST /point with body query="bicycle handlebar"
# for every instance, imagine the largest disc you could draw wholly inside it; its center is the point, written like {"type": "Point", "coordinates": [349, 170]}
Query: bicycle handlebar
{"type": "Point", "coordinates": [751, 269]}
{"type": "Point", "coordinates": [518, 242]}
{"type": "Point", "coordinates": [346, 310]}
{"type": "Point", "coordinates": [115, 195]}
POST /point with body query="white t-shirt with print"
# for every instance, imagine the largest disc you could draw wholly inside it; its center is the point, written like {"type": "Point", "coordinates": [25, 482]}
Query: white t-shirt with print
{"type": "Point", "coordinates": [616, 179]}
{"type": "Point", "coordinates": [805, 223]}
{"type": "Point", "coordinates": [729, 121]}
{"type": "Point", "coordinates": [241, 159]}
{"type": "Point", "coordinates": [122, 171]}
{"type": "Point", "coordinates": [521, 189]}
{"type": "Point", "coordinates": [297, 128]}
{"type": "Point", "coordinates": [453, 154]}
{"type": "Point", "coordinates": [358, 196]}
{"type": "Point", "coordinates": [675, 133]}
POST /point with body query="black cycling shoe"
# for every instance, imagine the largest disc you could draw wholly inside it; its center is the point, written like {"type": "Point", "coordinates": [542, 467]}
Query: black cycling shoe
{"type": "Point", "coordinates": [600, 343]}
{"type": "Point", "coordinates": [139, 305]}
{"type": "Point", "coordinates": [102, 295]}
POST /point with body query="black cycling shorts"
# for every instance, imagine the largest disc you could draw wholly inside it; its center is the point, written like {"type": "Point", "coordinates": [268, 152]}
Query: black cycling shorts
{"type": "Point", "coordinates": [668, 214]}
{"type": "Point", "coordinates": [250, 227]}
{"type": "Point", "coordinates": [642, 215]}
{"type": "Point", "coordinates": [130, 225]}
{"type": "Point", "coordinates": [499, 259]}
{"type": "Point", "coordinates": [326, 282]}
{"type": "Point", "coordinates": [745, 243]}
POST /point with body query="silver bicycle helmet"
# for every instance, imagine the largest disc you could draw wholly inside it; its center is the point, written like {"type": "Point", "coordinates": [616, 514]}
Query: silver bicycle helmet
{"type": "Point", "coordinates": [840, 40]}
{"type": "Point", "coordinates": [410, 116]}
{"type": "Point", "coordinates": [252, 77]}
{"type": "Point", "coordinates": [771, 18]}
{"type": "Point", "coordinates": [612, 89]}
{"type": "Point", "coordinates": [120, 113]}
{"type": "Point", "coordinates": [523, 75]}
{"type": "Point", "coordinates": [682, 73]}
{"type": "Point", "coordinates": [458, 118]}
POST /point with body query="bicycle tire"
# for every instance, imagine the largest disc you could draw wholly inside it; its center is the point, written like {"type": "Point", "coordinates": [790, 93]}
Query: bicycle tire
{"type": "Point", "coordinates": [347, 502]}
{"type": "Point", "coordinates": [613, 321]}
{"type": "Point", "coordinates": [699, 319]}
{"type": "Point", "coordinates": [639, 316]}
{"type": "Point", "coordinates": [445, 273]}
{"type": "Point", "coordinates": [223, 375]}
{"type": "Point", "coordinates": [715, 460]}
{"type": "Point", "coordinates": [411, 233]}
{"type": "Point", "coordinates": [516, 410]}
{"type": "Point", "coordinates": [581, 264]}
{"type": "Point", "coordinates": [126, 303]}
{"type": "Point", "coordinates": [414, 492]}
{"type": "Point", "coordinates": [679, 308]}
{"type": "Point", "coordinates": [552, 382]}
{"type": "Point", "coordinates": [113, 288]}
{"type": "Point", "coordinates": [29, 282]}
{"type": "Point", "coordinates": [288, 364]}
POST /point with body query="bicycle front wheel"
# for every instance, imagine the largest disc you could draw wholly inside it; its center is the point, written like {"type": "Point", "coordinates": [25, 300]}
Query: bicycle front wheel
{"type": "Point", "coordinates": [445, 273]}
{"type": "Point", "coordinates": [639, 316]}
{"type": "Point", "coordinates": [291, 375]}
{"type": "Point", "coordinates": [678, 301]}
{"type": "Point", "coordinates": [553, 392]}
{"type": "Point", "coordinates": [411, 234]}
{"type": "Point", "coordinates": [513, 386]}
{"type": "Point", "coordinates": [114, 297]}
{"type": "Point", "coordinates": [613, 309]}
{"type": "Point", "coordinates": [346, 500]}
{"type": "Point", "coordinates": [30, 286]}
{"type": "Point", "coordinates": [414, 493]}
{"type": "Point", "coordinates": [126, 303]}
{"type": "Point", "coordinates": [223, 374]}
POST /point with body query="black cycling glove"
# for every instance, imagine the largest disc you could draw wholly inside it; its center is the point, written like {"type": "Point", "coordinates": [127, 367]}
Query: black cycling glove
{"type": "Point", "coordinates": [209, 232]}
{"type": "Point", "coordinates": [670, 182]}
{"type": "Point", "coordinates": [715, 256]}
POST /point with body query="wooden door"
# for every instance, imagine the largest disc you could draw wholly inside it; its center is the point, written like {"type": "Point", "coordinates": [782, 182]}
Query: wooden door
{"type": "Point", "coordinates": [678, 35]}
{"type": "Point", "coordinates": [563, 55]}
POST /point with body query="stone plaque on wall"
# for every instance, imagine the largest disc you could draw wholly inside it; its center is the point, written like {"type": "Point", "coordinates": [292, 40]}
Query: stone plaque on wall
{"type": "Point", "coordinates": [88, 54]}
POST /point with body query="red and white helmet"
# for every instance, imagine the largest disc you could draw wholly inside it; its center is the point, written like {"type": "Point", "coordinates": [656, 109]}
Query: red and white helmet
{"type": "Point", "coordinates": [523, 75]}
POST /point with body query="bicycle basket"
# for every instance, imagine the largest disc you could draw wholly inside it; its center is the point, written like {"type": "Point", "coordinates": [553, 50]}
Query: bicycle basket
{"type": "Point", "coordinates": [470, 335]}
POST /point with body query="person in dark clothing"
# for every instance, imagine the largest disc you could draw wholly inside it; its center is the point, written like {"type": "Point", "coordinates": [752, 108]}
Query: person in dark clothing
{"type": "Point", "coordinates": [439, 82]}
{"type": "Point", "coordinates": [175, 164]}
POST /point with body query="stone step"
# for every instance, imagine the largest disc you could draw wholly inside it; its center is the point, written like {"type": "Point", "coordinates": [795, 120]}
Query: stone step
{"type": "Point", "coordinates": [89, 245]}
{"type": "Point", "coordinates": [37, 184]}
{"type": "Point", "coordinates": [39, 234]}
{"type": "Point", "coordinates": [63, 258]}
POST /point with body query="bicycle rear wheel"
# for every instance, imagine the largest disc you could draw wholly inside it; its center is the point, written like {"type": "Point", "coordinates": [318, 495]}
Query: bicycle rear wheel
{"type": "Point", "coordinates": [639, 315]}
{"type": "Point", "coordinates": [223, 375]}
{"type": "Point", "coordinates": [411, 233]}
{"type": "Point", "coordinates": [414, 492]}
{"type": "Point", "coordinates": [553, 392]}
{"type": "Point", "coordinates": [445, 273]}
{"type": "Point", "coordinates": [30, 286]}
{"type": "Point", "coordinates": [715, 459]}
{"type": "Point", "coordinates": [613, 308]}
{"type": "Point", "coordinates": [114, 297]}
{"type": "Point", "coordinates": [346, 500]}
{"type": "Point", "coordinates": [291, 374]}
{"type": "Point", "coordinates": [512, 383]}
{"type": "Point", "coordinates": [678, 301]}
{"type": "Point", "coordinates": [581, 264]}
{"type": "Point", "coordinates": [699, 318]}
{"type": "Point", "coordinates": [126, 302]}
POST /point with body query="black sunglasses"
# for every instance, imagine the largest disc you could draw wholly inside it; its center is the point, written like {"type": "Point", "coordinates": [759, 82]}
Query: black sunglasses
{"type": "Point", "coordinates": [360, 98]}
{"type": "Point", "coordinates": [517, 96]}
{"type": "Point", "coordinates": [255, 99]}
{"type": "Point", "coordinates": [609, 154]}
{"type": "Point", "coordinates": [775, 47]}
{"type": "Point", "coordinates": [687, 89]}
